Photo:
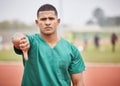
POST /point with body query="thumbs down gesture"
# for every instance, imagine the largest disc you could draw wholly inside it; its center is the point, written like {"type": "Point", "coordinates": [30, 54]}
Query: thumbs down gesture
{"type": "Point", "coordinates": [21, 42]}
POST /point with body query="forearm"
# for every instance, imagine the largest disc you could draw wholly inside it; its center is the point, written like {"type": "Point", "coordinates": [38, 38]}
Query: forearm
{"type": "Point", "coordinates": [80, 83]}
{"type": "Point", "coordinates": [77, 79]}
{"type": "Point", "coordinates": [18, 51]}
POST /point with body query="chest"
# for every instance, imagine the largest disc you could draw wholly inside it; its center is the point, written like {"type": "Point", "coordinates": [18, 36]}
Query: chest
{"type": "Point", "coordinates": [59, 56]}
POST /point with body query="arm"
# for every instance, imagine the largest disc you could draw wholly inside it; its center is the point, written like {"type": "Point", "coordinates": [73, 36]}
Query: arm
{"type": "Point", "coordinates": [77, 79]}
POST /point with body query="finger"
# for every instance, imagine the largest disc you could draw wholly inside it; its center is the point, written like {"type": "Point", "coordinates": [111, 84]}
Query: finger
{"type": "Point", "coordinates": [24, 43]}
{"type": "Point", "coordinates": [24, 47]}
{"type": "Point", "coordinates": [23, 40]}
{"type": "Point", "coordinates": [23, 37]}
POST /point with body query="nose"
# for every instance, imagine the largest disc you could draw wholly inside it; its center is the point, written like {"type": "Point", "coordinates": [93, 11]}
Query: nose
{"type": "Point", "coordinates": [47, 22]}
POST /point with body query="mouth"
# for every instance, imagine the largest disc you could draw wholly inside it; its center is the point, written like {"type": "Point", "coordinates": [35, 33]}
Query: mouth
{"type": "Point", "coordinates": [48, 28]}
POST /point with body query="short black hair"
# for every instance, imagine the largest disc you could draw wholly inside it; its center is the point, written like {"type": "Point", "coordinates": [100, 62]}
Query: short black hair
{"type": "Point", "coordinates": [47, 7]}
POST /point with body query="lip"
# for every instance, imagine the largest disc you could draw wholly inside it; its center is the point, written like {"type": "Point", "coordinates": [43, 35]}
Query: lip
{"type": "Point", "coordinates": [48, 27]}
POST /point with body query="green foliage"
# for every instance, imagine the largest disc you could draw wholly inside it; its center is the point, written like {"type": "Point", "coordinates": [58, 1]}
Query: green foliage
{"type": "Point", "coordinates": [13, 24]}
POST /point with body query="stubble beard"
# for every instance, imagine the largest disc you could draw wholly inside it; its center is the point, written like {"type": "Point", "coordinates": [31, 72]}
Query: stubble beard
{"type": "Point", "coordinates": [48, 34]}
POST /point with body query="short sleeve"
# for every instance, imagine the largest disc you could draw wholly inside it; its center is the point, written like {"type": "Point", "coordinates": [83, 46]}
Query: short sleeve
{"type": "Point", "coordinates": [30, 38]}
{"type": "Point", "coordinates": [77, 64]}
{"type": "Point", "coordinates": [17, 51]}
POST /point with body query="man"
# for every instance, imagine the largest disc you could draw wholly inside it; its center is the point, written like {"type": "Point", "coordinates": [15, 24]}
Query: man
{"type": "Point", "coordinates": [113, 41]}
{"type": "Point", "coordinates": [52, 61]}
{"type": "Point", "coordinates": [96, 41]}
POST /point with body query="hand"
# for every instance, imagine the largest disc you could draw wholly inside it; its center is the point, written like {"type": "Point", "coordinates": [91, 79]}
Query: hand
{"type": "Point", "coordinates": [24, 46]}
{"type": "Point", "coordinates": [21, 42]}
{"type": "Point", "coordinates": [16, 39]}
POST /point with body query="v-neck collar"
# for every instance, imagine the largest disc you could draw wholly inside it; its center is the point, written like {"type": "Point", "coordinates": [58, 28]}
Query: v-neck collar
{"type": "Point", "coordinates": [48, 44]}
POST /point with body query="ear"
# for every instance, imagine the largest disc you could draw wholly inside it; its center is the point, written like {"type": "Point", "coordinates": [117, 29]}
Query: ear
{"type": "Point", "coordinates": [58, 20]}
{"type": "Point", "coordinates": [36, 22]}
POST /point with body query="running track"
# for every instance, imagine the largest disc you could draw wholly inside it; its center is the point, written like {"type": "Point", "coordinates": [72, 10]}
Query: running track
{"type": "Point", "coordinates": [95, 74]}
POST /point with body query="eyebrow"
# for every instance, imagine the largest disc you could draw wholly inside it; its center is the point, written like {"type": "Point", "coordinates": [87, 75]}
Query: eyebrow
{"type": "Point", "coordinates": [44, 18]}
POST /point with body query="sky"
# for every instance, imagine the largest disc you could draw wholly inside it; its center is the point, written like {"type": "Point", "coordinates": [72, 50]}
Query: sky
{"type": "Point", "coordinates": [74, 12]}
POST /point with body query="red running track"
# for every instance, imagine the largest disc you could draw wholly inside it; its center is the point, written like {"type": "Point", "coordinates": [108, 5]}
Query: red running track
{"type": "Point", "coordinates": [95, 74]}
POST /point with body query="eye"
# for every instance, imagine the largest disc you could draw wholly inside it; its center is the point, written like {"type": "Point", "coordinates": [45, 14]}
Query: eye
{"type": "Point", "coordinates": [51, 18]}
{"type": "Point", "coordinates": [43, 19]}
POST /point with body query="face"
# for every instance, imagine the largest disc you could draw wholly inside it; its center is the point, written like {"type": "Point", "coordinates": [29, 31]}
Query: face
{"type": "Point", "coordinates": [47, 21]}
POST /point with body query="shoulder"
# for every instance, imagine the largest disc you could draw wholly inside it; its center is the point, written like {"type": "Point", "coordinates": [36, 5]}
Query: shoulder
{"type": "Point", "coordinates": [69, 44]}
{"type": "Point", "coordinates": [31, 37]}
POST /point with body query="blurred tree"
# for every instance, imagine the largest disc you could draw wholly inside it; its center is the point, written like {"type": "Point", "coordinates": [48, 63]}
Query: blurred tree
{"type": "Point", "coordinates": [118, 20]}
{"type": "Point", "coordinates": [99, 15]}
{"type": "Point", "coordinates": [5, 24]}
{"type": "Point", "coordinates": [13, 25]}
{"type": "Point", "coordinates": [16, 24]}
{"type": "Point", "coordinates": [102, 20]}
{"type": "Point", "coordinates": [90, 22]}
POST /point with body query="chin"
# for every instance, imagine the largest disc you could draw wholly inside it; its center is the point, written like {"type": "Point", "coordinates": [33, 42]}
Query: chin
{"type": "Point", "coordinates": [48, 33]}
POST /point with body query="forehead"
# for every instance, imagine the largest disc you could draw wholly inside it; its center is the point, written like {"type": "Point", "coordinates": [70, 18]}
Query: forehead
{"type": "Point", "coordinates": [47, 14]}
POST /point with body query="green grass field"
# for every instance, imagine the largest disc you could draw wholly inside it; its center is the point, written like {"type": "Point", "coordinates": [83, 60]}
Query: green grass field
{"type": "Point", "coordinates": [92, 55]}
{"type": "Point", "coordinates": [9, 55]}
{"type": "Point", "coordinates": [102, 55]}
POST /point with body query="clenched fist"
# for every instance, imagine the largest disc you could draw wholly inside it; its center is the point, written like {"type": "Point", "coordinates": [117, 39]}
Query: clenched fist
{"type": "Point", "coordinates": [20, 41]}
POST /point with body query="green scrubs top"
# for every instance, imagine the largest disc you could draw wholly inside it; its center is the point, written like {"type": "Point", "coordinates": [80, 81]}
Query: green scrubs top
{"type": "Point", "coordinates": [48, 66]}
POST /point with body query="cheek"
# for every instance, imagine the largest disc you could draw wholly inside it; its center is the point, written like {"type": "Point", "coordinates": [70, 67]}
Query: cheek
{"type": "Point", "coordinates": [40, 24]}
{"type": "Point", "coordinates": [55, 24]}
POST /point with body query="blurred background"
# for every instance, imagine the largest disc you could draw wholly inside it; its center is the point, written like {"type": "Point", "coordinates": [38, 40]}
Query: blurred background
{"type": "Point", "coordinates": [81, 22]}
{"type": "Point", "coordinates": [91, 25]}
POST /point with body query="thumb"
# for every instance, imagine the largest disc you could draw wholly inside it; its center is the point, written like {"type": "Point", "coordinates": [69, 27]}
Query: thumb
{"type": "Point", "coordinates": [25, 53]}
